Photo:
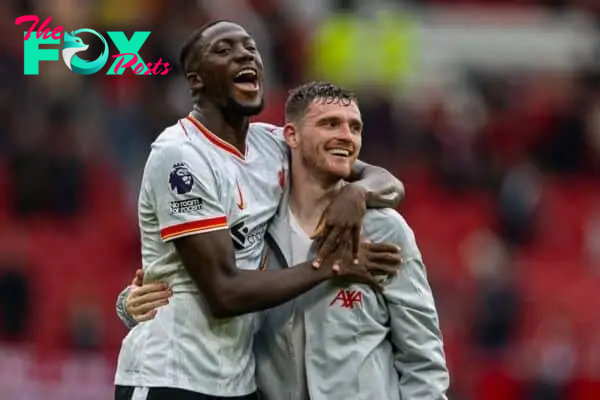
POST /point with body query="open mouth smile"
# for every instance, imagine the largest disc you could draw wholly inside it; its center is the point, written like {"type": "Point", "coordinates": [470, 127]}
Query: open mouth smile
{"type": "Point", "coordinates": [246, 80]}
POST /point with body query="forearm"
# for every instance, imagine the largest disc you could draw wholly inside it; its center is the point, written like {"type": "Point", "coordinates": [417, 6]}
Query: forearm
{"type": "Point", "coordinates": [415, 331]}
{"type": "Point", "coordinates": [228, 290]}
{"type": "Point", "coordinates": [242, 291]}
{"type": "Point", "coordinates": [382, 189]}
{"type": "Point", "coordinates": [251, 291]}
{"type": "Point", "coordinates": [423, 372]}
{"type": "Point", "coordinates": [121, 309]}
{"type": "Point", "coordinates": [420, 360]}
{"type": "Point", "coordinates": [423, 381]}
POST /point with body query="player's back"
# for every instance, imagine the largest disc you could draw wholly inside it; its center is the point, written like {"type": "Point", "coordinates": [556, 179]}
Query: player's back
{"type": "Point", "coordinates": [195, 183]}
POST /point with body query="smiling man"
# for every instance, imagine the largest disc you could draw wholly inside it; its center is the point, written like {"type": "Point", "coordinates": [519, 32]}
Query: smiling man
{"type": "Point", "coordinates": [211, 184]}
{"type": "Point", "coordinates": [342, 341]}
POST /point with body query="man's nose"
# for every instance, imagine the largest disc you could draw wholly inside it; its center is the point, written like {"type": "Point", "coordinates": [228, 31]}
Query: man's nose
{"type": "Point", "coordinates": [244, 55]}
{"type": "Point", "coordinates": [345, 133]}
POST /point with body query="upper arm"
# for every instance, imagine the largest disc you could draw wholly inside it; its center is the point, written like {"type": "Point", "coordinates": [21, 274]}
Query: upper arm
{"type": "Point", "coordinates": [185, 191]}
{"type": "Point", "coordinates": [415, 332]}
{"type": "Point", "coordinates": [360, 169]}
{"type": "Point", "coordinates": [209, 258]}
{"type": "Point", "coordinates": [191, 214]}
{"type": "Point", "coordinates": [383, 188]}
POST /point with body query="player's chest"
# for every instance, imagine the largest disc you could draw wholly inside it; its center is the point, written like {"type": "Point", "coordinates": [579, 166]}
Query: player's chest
{"type": "Point", "coordinates": [251, 192]}
{"type": "Point", "coordinates": [252, 186]}
{"type": "Point", "coordinates": [338, 304]}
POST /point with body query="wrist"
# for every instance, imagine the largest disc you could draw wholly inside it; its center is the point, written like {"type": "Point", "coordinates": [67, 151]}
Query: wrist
{"type": "Point", "coordinates": [122, 312]}
{"type": "Point", "coordinates": [323, 272]}
{"type": "Point", "coordinates": [359, 189]}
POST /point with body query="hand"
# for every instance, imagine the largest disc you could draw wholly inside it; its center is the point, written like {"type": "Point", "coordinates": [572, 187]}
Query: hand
{"type": "Point", "coordinates": [340, 226]}
{"type": "Point", "coordinates": [144, 299]}
{"type": "Point", "coordinates": [374, 261]}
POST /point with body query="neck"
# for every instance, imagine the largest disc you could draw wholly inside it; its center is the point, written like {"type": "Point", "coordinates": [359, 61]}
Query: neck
{"type": "Point", "coordinates": [229, 126]}
{"type": "Point", "coordinates": [310, 195]}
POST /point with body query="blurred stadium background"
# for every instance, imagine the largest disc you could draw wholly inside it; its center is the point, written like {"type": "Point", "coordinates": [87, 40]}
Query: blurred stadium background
{"type": "Point", "coordinates": [488, 110]}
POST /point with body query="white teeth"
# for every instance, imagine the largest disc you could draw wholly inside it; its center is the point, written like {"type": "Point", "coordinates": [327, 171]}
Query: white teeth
{"type": "Point", "coordinates": [339, 152]}
{"type": "Point", "coordinates": [246, 71]}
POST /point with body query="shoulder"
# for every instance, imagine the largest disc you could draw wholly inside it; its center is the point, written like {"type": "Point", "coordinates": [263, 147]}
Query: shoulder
{"type": "Point", "coordinates": [388, 225]}
{"type": "Point", "coordinates": [178, 140]}
{"type": "Point", "coordinates": [268, 134]}
{"type": "Point", "coordinates": [177, 150]}
{"type": "Point", "coordinates": [173, 135]}
{"type": "Point", "coordinates": [265, 128]}
{"type": "Point", "coordinates": [380, 221]}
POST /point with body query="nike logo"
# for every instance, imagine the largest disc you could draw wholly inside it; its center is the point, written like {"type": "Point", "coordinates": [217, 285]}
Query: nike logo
{"type": "Point", "coordinates": [240, 203]}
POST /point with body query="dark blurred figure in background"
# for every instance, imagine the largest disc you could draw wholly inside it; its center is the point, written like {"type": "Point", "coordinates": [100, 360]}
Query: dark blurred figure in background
{"type": "Point", "coordinates": [15, 299]}
{"type": "Point", "coordinates": [519, 199]}
{"type": "Point", "coordinates": [86, 324]}
{"type": "Point", "coordinates": [553, 361]}
{"type": "Point", "coordinates": [46, 177]}
{"type": "Point", "coordinates": [496, 311]}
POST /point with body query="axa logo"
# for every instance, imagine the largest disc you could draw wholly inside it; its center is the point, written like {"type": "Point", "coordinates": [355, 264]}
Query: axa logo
{"type": "Point", "coordinates": [128, 56]}
{"type": "Point", "coordinates": [348, 298]}
{"type": "Point", "coordinates": [243, 237]}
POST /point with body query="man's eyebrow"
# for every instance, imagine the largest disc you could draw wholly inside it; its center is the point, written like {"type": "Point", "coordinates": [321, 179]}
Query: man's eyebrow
{"type": "Point", "coordinates": [328, 118]}
{"type": "Point", "coordinates": [229, 40]}
{"type": "Point", "coordinates": [356, 121]}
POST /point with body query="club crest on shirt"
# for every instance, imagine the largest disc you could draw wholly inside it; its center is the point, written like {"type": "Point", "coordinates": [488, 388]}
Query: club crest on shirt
{"type": "Point", "coordinates": [181, 179]}
{"type": "Point", "coordinates": [281, 176]}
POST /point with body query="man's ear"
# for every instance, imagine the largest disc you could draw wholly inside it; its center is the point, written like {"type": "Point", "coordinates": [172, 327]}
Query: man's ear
{"type": "Point", "coordinates": [290, 134]}
{"type": "Point", "coordinates": [194, 81]}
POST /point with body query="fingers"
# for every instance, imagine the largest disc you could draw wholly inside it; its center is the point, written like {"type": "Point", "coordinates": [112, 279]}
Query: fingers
{"type": "Point", "coordinates": [384, 258]}
{"type": "Point", "coordinates": [383, 253]}
{"type": "Point", "coordinates": [146, 308]}
{"type": "Point", "coordinates": [380, 247]}
{"type": "Point", "coordinates": [140, 307]}
{"type": "Point", "coordinates": [150, 288]}
{"type": "Point", "coordinates": [145, 317]}
{"type": "Point", "coordinates": [381, 269]}
{"type": "Point", "coordinates": [145, 298]}
{"type": "Point", "coordinates": [149, 297]}
{"type": "Point", "coordinates": [138, 279]}
{"type": "Point", "coordinates": [329, 245]}
{"type": "Point", "coordinates": [342, 251]}
{"type": "Point", "coordinates": [355, 243]}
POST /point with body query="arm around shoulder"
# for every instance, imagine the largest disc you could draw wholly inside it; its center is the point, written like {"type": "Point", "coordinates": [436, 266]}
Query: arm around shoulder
{"type": "Point", "coordinates": [230, 291]}
{"type": "Point", "coordinates": [382, 188]}
{"type": "Point", "coordinates": [188, 200]}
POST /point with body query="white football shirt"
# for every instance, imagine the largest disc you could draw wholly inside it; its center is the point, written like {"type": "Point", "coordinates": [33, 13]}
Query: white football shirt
{"type": "Point", "coordinates": [194, 183]}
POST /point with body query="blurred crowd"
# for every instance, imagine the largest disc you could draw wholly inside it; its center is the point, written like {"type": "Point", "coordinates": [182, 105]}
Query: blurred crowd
{"type": "Point", "coordinates": [501, 166]}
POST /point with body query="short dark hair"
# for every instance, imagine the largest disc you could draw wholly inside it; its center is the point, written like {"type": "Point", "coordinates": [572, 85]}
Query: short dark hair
{"type": "Point", "coordinates": [186, 52]}
{"type": "Point", "coordinates": [302, 96]}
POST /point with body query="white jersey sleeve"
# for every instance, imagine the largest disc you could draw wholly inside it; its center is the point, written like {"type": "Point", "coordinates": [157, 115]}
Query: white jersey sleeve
{"type": "Point", "coordinates": [186, 191]}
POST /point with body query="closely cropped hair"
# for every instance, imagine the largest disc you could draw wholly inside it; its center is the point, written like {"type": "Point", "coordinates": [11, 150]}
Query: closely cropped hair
{"type": "Point", "coordinates": [302, 96]}
{"type": "Point", "coordinates": [186, 53]}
